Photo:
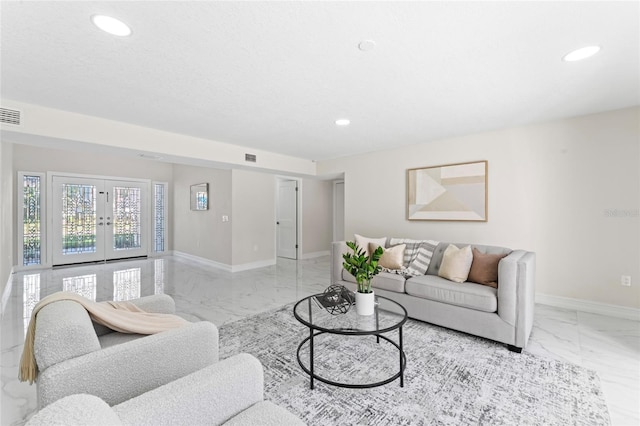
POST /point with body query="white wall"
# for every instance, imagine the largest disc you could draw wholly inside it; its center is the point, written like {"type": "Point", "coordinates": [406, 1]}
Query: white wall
{"type": "Point", "coordinates": [6, 212]}
{"type": "Point", "coordinates": [66, 127]}
{"type": "Point", "coordinates": [551, 188]}
{"type": "Point", "coordinates": [254, 218]}
{"type": "Point", "coordinates": [247, 197]}
{"type": "Point", "coordinates": [317, 216]}
{"type": "Point", "coordinates": [38, 159]}
{"type": "Point", "coordinates": [202, 233]}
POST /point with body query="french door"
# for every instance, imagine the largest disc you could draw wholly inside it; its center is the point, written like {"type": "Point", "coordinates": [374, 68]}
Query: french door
{"type": "Point", "coordinates": [98, 219]}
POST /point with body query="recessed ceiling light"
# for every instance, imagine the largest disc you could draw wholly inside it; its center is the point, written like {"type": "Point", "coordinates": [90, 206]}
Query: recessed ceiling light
{"type": "Point", "coordinates": [582, 53]}
{"type": "Point", "coordinates": [111, 25]}
{"type": "Point", "coordinates": [343, 122]}
{"type": "Point", "coordinates": [366, 45]}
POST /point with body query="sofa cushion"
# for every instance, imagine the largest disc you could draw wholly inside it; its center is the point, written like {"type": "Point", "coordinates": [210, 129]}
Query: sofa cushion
{"type": "Point", "coordinates": [436, 260]}
{"type": "Point", "coordinates": [467, 295]}
{"type": "Point", "coordinates": [484, 269]}
{"type": "Point", "coordinates": [363, 242]}
{"type": "Point", "coordinates": [384, 280]}
{"type": "Point", "coordinates": [115, 338]}
{"type": "Point", "coordinates": [456, 263]}
{"type": "Point", "coordinates": [392, 257]}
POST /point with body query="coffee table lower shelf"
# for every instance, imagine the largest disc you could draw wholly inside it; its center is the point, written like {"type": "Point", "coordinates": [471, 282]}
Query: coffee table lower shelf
{"type": "Point", "coordinates": [312, 375]}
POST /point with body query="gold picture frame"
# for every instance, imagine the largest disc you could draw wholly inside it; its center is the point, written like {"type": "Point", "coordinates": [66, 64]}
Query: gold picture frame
{"type": "Point", "coordinates": [450, 192]}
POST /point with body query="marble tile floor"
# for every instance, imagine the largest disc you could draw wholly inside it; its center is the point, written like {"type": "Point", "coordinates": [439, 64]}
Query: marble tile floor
{"type": "Point", "coordinates": [610, 346]}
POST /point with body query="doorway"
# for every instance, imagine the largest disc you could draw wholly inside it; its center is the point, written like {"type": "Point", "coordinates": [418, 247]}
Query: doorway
{"type": "Point", "coordinates": [98, 219]}
{"type": "Point", "coordinates": [338, 210]}
{"type": "Point", "coordinates": [287, 219]}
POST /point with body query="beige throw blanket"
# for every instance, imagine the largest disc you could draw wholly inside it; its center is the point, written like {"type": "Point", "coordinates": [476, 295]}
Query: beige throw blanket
{"type": "Point", "coordinates": [124, 317]}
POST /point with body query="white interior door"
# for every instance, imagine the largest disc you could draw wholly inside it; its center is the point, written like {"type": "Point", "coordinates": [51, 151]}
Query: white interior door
{"type": "Point", "coordinates": [287, 219]}
{"type": "Point", "coordinates": [96, 219]}
{"type": "Point", "coordinates": [338, 211]}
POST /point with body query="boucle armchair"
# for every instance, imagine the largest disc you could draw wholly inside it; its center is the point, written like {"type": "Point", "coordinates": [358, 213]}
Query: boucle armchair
{"type": "Point", "coordinates": [229, 392]}
{"type": "Point", "coordinates": [76, 356]}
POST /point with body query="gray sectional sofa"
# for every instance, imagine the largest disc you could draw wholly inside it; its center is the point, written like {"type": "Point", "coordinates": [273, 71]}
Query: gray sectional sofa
{"type": "Point", "coordinates": [503, 314]}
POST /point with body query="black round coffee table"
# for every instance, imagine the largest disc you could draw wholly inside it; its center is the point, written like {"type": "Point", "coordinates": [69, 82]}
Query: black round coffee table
{"type": "Point", "coordinates": [388, 316]}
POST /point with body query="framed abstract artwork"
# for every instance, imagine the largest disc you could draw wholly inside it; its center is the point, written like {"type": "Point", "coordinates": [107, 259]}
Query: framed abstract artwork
{"type": "Point", "coordinates": [455, 192]}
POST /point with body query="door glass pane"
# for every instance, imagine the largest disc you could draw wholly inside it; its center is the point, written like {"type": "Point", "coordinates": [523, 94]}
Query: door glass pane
{"type": "Point", "coordinates": [159, 197]}
{"type": "Point", "coordinates": [127, 218]}
{"type": "Point", "coordinates": [78, 219]}
{"type": "Point", "coordinates": [31, 242]}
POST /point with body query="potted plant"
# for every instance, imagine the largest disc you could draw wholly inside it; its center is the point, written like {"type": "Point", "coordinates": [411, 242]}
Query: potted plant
{"type": "Point", "coordinates": [363, 268]}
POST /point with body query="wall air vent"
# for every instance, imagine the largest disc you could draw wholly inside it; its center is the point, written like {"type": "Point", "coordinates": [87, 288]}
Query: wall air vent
{"type": "Point", "coordinates": [250, 158]}
{"type": "Point", "coordinates": [10, 116]}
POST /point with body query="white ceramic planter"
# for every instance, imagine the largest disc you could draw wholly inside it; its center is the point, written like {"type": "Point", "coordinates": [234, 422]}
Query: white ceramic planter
{"type": "Point", "coordinates": [365, 303]}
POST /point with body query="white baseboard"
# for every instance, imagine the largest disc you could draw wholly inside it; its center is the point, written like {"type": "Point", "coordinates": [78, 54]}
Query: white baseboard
{"type": "Point", "coordinates": [589, 306]}
{"type": "Point", "coordinates": [315, 254]}
{"type": "Point", "coordinates": [253, 265]}
{"type": "Point", "coordinates": [225, 266]}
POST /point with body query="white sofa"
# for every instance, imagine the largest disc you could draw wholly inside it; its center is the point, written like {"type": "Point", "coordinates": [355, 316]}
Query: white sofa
{"type": "Point", "coordinates": [503, 314]}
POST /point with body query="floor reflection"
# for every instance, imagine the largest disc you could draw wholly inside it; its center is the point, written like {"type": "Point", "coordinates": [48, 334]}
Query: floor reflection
{"type": "Point", "coordinates": [83, 285]}
{"type": "Point", "coordinates": [126, 284]}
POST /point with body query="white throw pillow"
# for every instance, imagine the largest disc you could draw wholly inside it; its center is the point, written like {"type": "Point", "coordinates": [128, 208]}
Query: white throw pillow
{"type": "Point", "coordinates": [456, 263]}
{"type": "Point", "coordinates": [363, 243]}
{"type": "Point", "coordinates": [392, 258]}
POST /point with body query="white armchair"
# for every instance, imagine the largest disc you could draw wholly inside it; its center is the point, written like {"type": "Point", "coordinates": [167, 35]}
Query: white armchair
{"type": "Point", "coordinates": [228, 392]}
{"type": "Point", "coordinates": [76, 356]}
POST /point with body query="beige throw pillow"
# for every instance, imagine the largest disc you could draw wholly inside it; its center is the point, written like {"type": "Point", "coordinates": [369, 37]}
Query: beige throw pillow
{"type": "Point", "coordinates": [456, 263]}
{"type": "Point", "coordinates": [392, 258]}
{"type": "Point", "coordinates": [363, 243]}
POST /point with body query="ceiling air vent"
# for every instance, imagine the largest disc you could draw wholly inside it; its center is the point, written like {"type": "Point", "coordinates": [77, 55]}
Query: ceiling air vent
{"type": "Point", "coordinates": [9, 116]}
{"type": "Point", "coordinates": [250, 158]}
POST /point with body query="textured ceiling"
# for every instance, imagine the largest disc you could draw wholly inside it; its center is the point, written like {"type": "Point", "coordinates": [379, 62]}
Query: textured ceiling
{"type": "Point", "coordinates": [276, 75]}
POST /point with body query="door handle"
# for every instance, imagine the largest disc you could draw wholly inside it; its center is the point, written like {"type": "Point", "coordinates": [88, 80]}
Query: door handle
{"type": "Point", "coordinates": [277, 223]}
{"type": "Point", "coordinates": [108, 223]}
{"type": "Point", "coordinates": [100, 223]}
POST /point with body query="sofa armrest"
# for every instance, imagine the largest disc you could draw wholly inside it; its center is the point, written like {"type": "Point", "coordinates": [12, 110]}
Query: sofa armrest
{"type": "Point", "coordinates": [127, 370]}
{"type": "Point", "coordinates": [63, 331]}
{"type": "Point", "coordinates": [210, 396]}
{"type": "Point", "coordinates": [76, 410]}
{"type": "Point", "coordinates": [157, 303]}
{"type": "Point", "coordinates": [516, 293]}
{"type": "Point", "coordinates": [337, 249]}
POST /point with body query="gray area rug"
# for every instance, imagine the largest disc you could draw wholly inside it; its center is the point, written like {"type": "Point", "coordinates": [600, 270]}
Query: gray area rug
{"type": "Point", "coordinates": [451, 378]}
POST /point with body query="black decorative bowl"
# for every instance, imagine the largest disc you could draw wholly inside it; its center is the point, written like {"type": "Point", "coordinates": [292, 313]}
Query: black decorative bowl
{"type": "Point", "coordinates": [336, 299]}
